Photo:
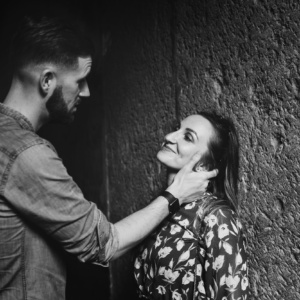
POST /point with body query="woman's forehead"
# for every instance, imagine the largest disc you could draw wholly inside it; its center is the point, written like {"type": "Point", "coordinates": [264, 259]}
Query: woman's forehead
{"type": "Point", "coordinates": [197, 121]}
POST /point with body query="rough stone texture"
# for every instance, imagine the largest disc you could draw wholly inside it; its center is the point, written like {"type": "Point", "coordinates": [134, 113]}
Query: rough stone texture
{"type": "Point", "coordinates": [240, 58]}
{"type": "Point", "coordinates": [140, 106]}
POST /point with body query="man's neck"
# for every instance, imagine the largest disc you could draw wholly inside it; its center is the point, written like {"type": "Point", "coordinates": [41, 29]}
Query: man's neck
{"type": "Point", "coordinates": [25, 105]}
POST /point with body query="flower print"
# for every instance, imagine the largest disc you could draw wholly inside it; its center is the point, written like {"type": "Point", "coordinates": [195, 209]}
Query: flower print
{"type": "Point", "coordinates": [190, 205]}
{"type": "Point", "coordinates": [137, 264]}
{"type": "Point", "coordinates": [211, 220]}
{"type": "Point", "coordinates": [151, 272]}
{"type": "Point", "coordinates": [163, 252]}
{"type": "Point", "coordinates": [184, 256]}
{"type": "Point", "coordinates": [158, 241]}
{"type": "Point", "coordinates": [244, 283]}
{"type": "Point", "coordinates": [212, 292]}
{"type": "Point", "coordinates": [202, 252]}
{"type": "Point", "coordinates": [200, 212]}
{"type": "Point", "coordinates": [171, 276]}
{"type": "Point", "coordinates": [145, 268]}
{"type": "Point", "coordinates": [187, 278]}
{"type": "Point", "coordinates": [184, 222]}
{"type": "Point", "coordinates": [176, 296]}
{"type": "Point", "coordinates": [223, 231]}
{"type": "Point", "coordinates": [144, 254]}
{"type": "Point", "coordinates": [222, 280]}
{"type": "Point", "coordinates": [218, 263]}
{"type": "Point", "coordinates": [232, 282]}
{"type": "Point", "coordinates": [238, 259]}
{"type": "Point", "coordinates": [199, 270]}
{"type": "Point", "coordinates": [171, 263]}
{"type": "Point", "coordinates": [227, 247]}
{"type": "Point", "coordinates": [207, 264]}
{"type": "Point", "coordinates": [161, 270]}
{"type": "Point", "coordinates": [161, 289]}
{"type": "Point", "coordinates": [209, 236]}
{"type": "Point", "coordinates": [200, 287]}
{"type": "Point", "coordinates": [191, 262]}
{"type": "Point", "coordinates": [187, 235]}
{"type": "Point", "coordinates": [244, 266]}
{"type": "Point", "coordinates": [179, 245]}
{"type": "Point", "coordinates": [174, 228]}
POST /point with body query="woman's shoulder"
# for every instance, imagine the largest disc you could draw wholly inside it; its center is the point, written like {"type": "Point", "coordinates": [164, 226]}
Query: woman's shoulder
{"type": "Point", "coordinates": [223, 216]}
{"type": "Point", "coordinates": [220, 212]}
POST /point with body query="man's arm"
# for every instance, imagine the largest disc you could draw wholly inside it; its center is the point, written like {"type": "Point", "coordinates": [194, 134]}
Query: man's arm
{"type": "Point", "coordinates": [40, 189]}
{"type": "Point", "coordinates": [187, 186]}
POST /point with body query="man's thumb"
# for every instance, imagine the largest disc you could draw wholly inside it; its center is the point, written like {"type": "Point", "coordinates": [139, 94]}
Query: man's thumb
{"type": "Point", "coordinates": [191, 163]}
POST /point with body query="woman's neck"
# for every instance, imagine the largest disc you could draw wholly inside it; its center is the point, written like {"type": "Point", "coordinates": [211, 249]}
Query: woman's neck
{"type": "Point", "coordinates": [171, 175]}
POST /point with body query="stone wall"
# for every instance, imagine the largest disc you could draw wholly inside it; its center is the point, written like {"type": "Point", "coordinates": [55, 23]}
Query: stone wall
{"type": "Point", "coordinates": [241, 58]}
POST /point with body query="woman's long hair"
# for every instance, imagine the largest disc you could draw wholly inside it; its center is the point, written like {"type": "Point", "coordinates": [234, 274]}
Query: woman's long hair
{"type": "Point", "coordinates": [222, 154]}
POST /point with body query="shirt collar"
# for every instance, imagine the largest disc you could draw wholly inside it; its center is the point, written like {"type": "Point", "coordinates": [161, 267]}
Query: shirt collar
{"type": "Point", "coordinates": [18, 117]}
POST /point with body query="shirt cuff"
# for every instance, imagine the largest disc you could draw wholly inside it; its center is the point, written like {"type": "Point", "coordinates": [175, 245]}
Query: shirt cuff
{"type": "Point", "coordinates": [108, 241]}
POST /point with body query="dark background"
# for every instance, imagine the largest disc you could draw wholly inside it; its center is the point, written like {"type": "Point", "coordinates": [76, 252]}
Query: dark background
{"type": "Point", "coordinates": [84, 163]}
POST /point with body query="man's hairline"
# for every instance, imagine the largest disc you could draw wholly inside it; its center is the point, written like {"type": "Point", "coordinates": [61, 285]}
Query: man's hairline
{"type": "Point", "coordinates": [43, 65]}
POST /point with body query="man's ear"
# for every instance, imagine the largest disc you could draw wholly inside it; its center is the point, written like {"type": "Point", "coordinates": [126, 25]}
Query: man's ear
{"type": "Point", "coordinates": [47, 82]}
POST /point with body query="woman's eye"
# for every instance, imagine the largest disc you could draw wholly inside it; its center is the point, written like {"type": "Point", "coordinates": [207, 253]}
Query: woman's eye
{"type": "Point", "coordinates": [188, 137]}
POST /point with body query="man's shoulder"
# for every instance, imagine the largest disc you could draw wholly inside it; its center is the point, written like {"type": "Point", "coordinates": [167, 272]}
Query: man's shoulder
{"type": "Point", "coordinates": [14, 139]}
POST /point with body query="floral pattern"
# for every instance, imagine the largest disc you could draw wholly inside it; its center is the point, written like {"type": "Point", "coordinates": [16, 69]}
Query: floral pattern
{"type": "Point", "coordinates": [191, 257]}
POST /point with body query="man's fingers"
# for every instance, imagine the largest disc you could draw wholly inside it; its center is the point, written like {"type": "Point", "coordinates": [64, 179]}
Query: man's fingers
{"type": "Point", "coordinates": [191, 163]}
{"type": "Point", "coordinates": [210, 174]}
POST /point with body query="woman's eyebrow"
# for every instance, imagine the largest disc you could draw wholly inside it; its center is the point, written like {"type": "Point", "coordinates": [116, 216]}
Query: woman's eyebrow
{"type": "Point", "coordinates": [192, 131]}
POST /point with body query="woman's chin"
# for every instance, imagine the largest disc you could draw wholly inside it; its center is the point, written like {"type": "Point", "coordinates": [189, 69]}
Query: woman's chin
{"type": "Point", "coordinates": [168, 161]}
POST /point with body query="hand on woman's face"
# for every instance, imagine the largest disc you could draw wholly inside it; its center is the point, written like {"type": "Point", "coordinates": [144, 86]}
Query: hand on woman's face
{"type": "Point", "coordinates": [179, 146]}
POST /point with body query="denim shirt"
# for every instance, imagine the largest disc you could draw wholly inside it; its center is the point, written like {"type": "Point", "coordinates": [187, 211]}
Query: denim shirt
{"type": "Point", "coordinates": [42, 214]}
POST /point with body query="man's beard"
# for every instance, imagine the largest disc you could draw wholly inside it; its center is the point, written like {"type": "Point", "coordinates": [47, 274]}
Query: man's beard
{"type": "Point", "coordinates": [58, 109]}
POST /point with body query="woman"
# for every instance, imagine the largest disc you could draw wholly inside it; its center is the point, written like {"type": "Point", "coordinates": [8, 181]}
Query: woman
{"type": "Point", "coordinates": [199, 252]}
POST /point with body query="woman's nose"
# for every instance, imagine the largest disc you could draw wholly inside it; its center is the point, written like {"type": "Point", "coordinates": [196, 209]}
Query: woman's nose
{"type": "Point", "coordinates": [171, 137]}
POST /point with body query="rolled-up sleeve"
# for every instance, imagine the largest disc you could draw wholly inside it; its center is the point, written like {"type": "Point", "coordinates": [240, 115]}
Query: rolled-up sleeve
{"type": "Point", "coordinates": [42, 192]}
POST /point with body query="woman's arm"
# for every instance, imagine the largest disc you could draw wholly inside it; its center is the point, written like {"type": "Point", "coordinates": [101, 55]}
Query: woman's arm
{"type": "Point", "coordinates": [225, 268]}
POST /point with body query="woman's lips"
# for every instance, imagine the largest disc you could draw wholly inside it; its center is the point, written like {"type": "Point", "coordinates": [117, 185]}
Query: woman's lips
{"type": "Point", "coordinates": [167, 148]}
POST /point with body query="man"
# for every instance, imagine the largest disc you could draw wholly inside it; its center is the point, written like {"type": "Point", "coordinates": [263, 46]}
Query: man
{"type": "Point", "coordinates": [42, 210]}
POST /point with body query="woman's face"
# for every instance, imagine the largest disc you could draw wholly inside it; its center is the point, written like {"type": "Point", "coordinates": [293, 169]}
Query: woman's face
{"type": "Point", "coordinates": [179, 146]}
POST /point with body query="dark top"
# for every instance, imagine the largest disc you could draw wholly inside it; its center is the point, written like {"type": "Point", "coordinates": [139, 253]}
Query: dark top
{"type": "Point", "coordinates": [191, 256]}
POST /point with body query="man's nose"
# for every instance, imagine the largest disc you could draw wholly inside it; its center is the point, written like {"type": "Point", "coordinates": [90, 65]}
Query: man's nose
{"type": "Point", "coordinates": [85, 91]}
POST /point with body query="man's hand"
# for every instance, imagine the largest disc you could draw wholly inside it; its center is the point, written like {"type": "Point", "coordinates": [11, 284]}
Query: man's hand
{"type": "Point", "coordinates": [188, 185]}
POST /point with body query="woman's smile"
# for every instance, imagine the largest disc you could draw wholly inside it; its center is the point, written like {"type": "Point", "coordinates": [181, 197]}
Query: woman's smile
{"type": "Point", "coordinates": [166, 147]}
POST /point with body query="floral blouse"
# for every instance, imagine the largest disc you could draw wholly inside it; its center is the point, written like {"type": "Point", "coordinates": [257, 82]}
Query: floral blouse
{"type": "Point", "coordinates": [188, 257]}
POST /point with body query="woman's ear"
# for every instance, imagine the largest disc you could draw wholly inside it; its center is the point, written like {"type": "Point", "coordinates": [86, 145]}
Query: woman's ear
{"type": "Point", "coordinates": [199, 167]}
{"type": "Point", "coordinates": [205, 163]}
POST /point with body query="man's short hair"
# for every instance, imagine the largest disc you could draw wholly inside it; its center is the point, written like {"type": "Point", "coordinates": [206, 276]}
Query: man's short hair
{"type": "Point", "coordinates": [49, 40]}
